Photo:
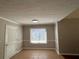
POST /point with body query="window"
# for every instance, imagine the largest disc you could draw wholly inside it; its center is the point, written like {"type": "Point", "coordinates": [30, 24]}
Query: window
{"type": "Point", "coordinates": [38, 35]}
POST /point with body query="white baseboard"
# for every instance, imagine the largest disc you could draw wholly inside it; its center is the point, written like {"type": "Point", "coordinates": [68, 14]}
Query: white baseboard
{"type": "Point", "coordinates": [19, 51]}
{"type": "Point", "coordinates": [41, 48]}
{"type": "Point", "coordinates": [57, 52]}
{"type": "Point", "coordinates": [16, 52]}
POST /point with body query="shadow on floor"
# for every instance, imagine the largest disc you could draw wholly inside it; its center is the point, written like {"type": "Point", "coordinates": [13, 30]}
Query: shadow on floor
{"type": "Point", "coordinates": [70, 57]}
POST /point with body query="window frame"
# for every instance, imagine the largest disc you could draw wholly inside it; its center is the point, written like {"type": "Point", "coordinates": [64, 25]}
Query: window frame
{"type": "Point", "coordinates": [38, 42]}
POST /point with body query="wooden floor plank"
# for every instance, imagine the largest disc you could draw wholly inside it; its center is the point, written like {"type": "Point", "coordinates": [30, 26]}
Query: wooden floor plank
{"type": "Point", "coordinates": [39, 54]}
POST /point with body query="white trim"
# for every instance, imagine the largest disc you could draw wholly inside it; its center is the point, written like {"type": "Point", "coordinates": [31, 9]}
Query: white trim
{"type": "Point", "coordinates": [41, 48]}
{"type": "Point", "coordinates": [69, 54]}
{"type": "Point", "coordinates": [56, 40]}
{"type": "Point", "coordinates": [57, 52]}
{"type": "Point", "coordinates": [8, 20]}
{"type": "Point", "coordinates": [47, 40]}
{"type": "Point", "coordinates": [37, 41]}
{"type": "Point", "coordinates": [65, 16]}
{"type": "Point", "coordinates": [16, 52]}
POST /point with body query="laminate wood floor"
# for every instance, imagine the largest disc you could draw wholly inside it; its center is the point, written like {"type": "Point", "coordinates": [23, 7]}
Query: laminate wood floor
{"type": "Point", "coordinates": [37, 54]}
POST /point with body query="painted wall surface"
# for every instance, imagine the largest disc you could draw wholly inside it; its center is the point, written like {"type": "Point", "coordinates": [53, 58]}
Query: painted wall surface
{"type": "Point", "coordinates": [68, 31]}
{"type": "Point", "coordinates": [50, 36]}
{"type": "Point", "coordinates": [18, 43]}
{"type": "Point", "coordinates": [2, 37]}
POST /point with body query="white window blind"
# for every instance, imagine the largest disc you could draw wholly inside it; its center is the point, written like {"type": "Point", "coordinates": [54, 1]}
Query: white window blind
{"type": "Point", "coordinates": [38, 35]}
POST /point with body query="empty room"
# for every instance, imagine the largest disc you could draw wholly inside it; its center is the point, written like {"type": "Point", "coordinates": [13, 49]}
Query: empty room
{"type": "Point", "coordinates": [39, 29]}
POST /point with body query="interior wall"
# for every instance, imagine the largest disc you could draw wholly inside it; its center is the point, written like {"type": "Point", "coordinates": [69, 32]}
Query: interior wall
{"type": "Point", "coordinates": [68, 31]}
{"type": "Point", "coordinates": [2, 37]}
{"type": "Point", "coordinates": [18, 43]}
{"type": "Point", "coordinates": [50, 36]}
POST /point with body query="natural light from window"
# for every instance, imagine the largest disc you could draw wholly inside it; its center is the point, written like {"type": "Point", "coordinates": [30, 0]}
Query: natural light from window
{"type": "Point", "coordinates": [38, 35]}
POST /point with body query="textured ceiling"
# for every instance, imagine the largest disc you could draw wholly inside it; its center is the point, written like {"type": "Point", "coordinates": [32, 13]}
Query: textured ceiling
{"type": "Point", "coordinates": [45, 11]}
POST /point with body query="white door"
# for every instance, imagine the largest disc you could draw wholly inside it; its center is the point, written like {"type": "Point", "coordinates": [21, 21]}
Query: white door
{"type": "Point", "coordinates": [10, 41]}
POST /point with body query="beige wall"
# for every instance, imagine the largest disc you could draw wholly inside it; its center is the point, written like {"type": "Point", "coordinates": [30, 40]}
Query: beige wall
{"type": "Point", "coordinates": [68, 31]}
{"type": "Point", "coordinates": [3, 24]}
{"type": "Point", "coordinates": [2, 35]}
{"type": "Point", "coordinates": [50, 36]}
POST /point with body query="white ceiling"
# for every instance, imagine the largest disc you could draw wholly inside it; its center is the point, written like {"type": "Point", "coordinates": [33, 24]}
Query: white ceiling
{"type": "Point", "coordinates": [45, 11]}
{"type": "Point", "coordinates": [74, 15]}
